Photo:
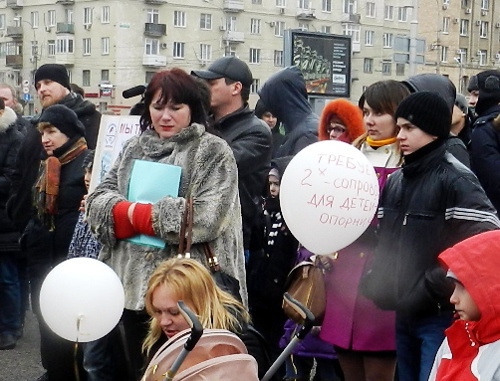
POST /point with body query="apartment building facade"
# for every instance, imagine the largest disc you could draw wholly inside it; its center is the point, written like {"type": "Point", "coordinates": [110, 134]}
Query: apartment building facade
{"type": "Point", "coordinates": [109, 46]}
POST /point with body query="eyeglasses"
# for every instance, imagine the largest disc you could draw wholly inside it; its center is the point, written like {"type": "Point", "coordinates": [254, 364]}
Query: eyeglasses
{"type": "Point", "coordinates": [337, 128]}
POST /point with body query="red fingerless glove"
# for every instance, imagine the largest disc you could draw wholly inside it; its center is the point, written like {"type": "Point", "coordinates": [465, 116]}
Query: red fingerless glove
{"type": "Point", "coordinates": [141, 219]}
{"type": "Point", "coordinates": [123, 226]}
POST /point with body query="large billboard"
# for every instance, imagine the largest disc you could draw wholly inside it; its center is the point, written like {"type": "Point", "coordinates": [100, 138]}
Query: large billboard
{"type": "Point", "coordinates": [323, 58]}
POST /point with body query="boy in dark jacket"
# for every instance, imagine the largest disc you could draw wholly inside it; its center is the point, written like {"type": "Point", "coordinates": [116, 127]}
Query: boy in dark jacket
{"type": "Point", "coordinates": [432, 203]}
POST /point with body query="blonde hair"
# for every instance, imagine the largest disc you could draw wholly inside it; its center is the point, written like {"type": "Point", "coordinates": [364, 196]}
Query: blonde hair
{"type": "Point", "coordinates": [192, 282]}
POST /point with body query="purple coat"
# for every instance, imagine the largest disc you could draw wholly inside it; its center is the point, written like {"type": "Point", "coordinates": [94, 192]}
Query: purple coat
{"type": "Point", "coordinates": [351, 320]}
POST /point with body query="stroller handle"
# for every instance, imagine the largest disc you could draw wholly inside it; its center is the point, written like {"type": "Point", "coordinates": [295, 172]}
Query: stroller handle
{"type": "Point", "coordinates": [194, 323]}
{"type": "Point", "coordinates": [304, 313]}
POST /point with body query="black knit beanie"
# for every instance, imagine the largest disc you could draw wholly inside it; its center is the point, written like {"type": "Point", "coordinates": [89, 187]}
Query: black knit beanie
{"type": "Point", "coordinates": [54, 72]}
{"type": "Point", "coordinates": [64, 119]}
{"type": "Point", "coordinates": [428, 111]}
{"type": "Point", "coordinates": [489, 90]}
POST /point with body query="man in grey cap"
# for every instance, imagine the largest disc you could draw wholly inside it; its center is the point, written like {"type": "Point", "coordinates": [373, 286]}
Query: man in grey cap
{"type": "Point", "coordinates": [230, 80]}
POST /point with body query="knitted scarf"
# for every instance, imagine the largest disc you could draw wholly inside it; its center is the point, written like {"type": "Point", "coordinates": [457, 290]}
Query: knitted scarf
{"type": "Point", "coordinates": [47, 186]}
{"type": "Point", "coordinates": [379, 143]}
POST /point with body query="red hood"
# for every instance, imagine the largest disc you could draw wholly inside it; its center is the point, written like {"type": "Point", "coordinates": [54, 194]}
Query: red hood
{"type": "Point", "coordinates": [476, 263]}
{"type": "Point", "coordinates": [351, 115]}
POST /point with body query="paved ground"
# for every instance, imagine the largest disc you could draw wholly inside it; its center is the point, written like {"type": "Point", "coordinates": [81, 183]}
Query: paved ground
{"type": "Point", "coordinates": [23, 362]}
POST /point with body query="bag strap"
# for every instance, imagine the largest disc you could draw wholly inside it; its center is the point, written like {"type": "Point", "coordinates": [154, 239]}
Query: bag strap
{"type": "Point", "coordinates": [213, 262]}
{"type": "Point", "coordinates": [186, 231]}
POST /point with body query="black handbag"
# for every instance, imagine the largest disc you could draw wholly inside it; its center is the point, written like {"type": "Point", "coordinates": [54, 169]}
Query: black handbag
{"type": "Point", "coordinates": [224, 280]}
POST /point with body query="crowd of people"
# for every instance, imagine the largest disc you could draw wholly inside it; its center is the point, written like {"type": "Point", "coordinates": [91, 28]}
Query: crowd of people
{"type": "Point", "coordinates": [390, 295]}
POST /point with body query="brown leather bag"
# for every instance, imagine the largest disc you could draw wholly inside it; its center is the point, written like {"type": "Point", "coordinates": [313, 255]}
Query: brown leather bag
{"type": "Point", "coordinates": [306, 284]}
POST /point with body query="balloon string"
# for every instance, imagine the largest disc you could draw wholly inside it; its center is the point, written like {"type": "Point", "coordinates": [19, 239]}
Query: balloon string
{"type": "Point", "coordinates": [75, 351]}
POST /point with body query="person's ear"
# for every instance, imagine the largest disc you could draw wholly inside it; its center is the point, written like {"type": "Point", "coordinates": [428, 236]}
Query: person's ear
{"type": "Point", "coordinates": [237, 86]}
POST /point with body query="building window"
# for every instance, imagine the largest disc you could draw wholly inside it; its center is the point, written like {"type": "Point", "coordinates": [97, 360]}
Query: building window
{"type": "Point", "coordinates": [51, 48]}
{"type": "Point", "coordinates": [278, 58]}
{"type": "Point", "coordinates": [386, 68]}
{"type": "Point", "coordinates": [205, 52]}
{"type": "Point", "coordinates": [464, 27]}
{"type": "Point", "coordinates": [254, 56]}
{"type": "Point", "coordinates": [368, 65]}
{"type": "Point", "coordinates": [304, 4]}
{"type": "Point", "coordinates": [51, 18]}
{"type": "Point", "coordinates": [303, 26]}
{"type": "Point", "coordinates": [402, 15]}
{"type": "Point", "coordinates": [68, 16]}
{"type": "Point", "coordinates": [180, 19]}
{"type": "Point", "coordinates": [104, 75]}
{"type": "Point", "coordinates": [86, 78]}
{"type": "Point", "coordinates": [389, 12]}
{"type": "Point", "coordinates": [485, 5]}
{"type": "Point", "coordinates": [353, 31]}
{"type": "Point", "coordinates": [230, 51]}
{"type": "Point", "coordinates": [370, 9]}
{"type": "Point", "coordinates": [105, 14]}
{"type": "Point", "coordinates": [151, 47]}
{"type": "Point", "coordinates": [87, 16]}
{"type": "Point", "coordinates": [483, 30]}
{"type": "Point", "coordinates": [2, 21]}
{"type": "Point", "coordinates": [326, 29]}
{"type": "Point", "coordinates": [279, 28]}
{"type": "Point", "coordinates": [349, 6]}
{"type": "Point", "coordinates": [153, 16]}
{"type": "Point", "coordinates": [87, 46]}
{"type": "Point", "coordinates": [400, 69]}
{"type": "Point", "coordinates": [446, 25]}
{"type": "Point", "coordinates": [369, 36]}
{"type": "Point", "coordinates": [388, 40]}
{"type": "Point", "coordinates": [65, 45]}
{"type": "Point", "coordinates": [326, 5]}
{"type": "Point", "coordinates": [105, 45]}
{"type": "Point", "coordinates": [148, 76]}
{"type": "Point", "coordinates": [178, 51]}
{"type": "Point", "coordinates": [256, 1]}
{"type": "Point", "coordinates": [206, 21]}
{"type": "Point", "coordinates": [231, 23]}
{"type": "Point", "coordinates": [482, 54]}
{"type": "Point", "coordinates": [255, 86]}
{"type": "Point", "coordinates": [281, 3]}
{"type": "Point", "coordinates": [254, 26]}
{"type": "Point", "coordinates": [34, 19]}
{"type": "Point", "coordinates": [444, 54]}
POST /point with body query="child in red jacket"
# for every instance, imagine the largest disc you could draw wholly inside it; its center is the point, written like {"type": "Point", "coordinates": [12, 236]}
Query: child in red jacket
{"type": "Point", "coordinates": [471, 349]}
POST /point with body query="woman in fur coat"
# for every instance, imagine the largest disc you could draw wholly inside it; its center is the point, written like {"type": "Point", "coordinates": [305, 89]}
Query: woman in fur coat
{"type": "Point", "coordinates": [173, 132]}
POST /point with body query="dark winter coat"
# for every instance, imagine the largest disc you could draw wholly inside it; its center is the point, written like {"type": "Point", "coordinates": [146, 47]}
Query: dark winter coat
{"type": "Point", "coordinates": [250, 140]}
{"type": "Point", "coordinates": [20, 208]}
{"type": "Point", "coordinates": [485, 154]}
{"type": "Point", "coordinates": [429, 205]}
{"type": "Point", "coordinates": [285, 94]}
{"type": "Point", "coordinates": [10, 140]}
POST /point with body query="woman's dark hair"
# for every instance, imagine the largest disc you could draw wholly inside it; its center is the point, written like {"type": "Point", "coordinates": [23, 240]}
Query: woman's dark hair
{"type": "Point", "coordinates": [88, 162]}
{"type": "Point", "coordinates": [179, 87]}
{"type": "Point", "coordinates": [384, 96]}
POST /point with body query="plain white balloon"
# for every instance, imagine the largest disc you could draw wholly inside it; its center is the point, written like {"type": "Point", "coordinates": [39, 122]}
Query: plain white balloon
{"type": "Point", "coordinates": [328, 195]}
{"type": "Point", "coordinates": [82, 299]}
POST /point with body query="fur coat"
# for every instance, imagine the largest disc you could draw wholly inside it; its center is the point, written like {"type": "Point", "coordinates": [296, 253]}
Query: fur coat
{"type": "Point", "coordinates": [209, 175]}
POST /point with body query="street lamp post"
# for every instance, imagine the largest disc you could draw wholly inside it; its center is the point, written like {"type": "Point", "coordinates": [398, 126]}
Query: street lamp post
{"type": "Point", "coordinates": [34, 43]}
{"type": "Point", "coordinates": [413, 38]}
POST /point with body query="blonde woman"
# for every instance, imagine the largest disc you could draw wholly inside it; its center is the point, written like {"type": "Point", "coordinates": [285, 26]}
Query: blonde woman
{"type": "Point", "coordinates": [188, 280]}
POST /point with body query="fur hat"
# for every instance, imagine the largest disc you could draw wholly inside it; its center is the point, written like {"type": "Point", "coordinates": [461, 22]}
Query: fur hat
{"type": "Point", "coordinates": [53, 72]}
{"type": "Point", "coordinates": [64, 119]}
{"type": "Point", "coordinates": [428, 111]}
{"type": "Point", "coordinates": [350, 115]}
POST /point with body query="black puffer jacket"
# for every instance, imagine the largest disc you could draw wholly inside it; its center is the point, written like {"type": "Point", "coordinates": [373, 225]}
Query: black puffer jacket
{"type": "Point", "coordinates": [19, 207]}
{"type": "Point", "coordinates": [285, 94]}
{"type": "Point", "coordinates": [432, 203]}
{"type": "Point", "coordinates": [250, 140]}
{"type": "Point", "coordinates": [10, 140]}
{"type": "Point", "coordinates": [485, 154]}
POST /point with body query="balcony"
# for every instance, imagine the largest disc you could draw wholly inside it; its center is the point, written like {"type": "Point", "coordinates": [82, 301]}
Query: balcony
{"type": "Point", "coordinates": [14, 61]}
{"type": "Point", "coordinates": [355, 18]}
{"type": "Point", "coordinates": [65, 28]}
{"type": "Point", "coordinates": [66, 2]}
{"type": "Point", "coordinates": [155, 2]}
{"type": "Point", "coordinates": [232, 36]}
{"type": "Point", "coordinates": [154, 60]}
{"type": "Point", "coordinates": [155, 30]}
{"type": "Point", "coordinates": [234, 5]}
{"type": "Point", "coordinates": [67, 59]}
{"type": "Point", "coordinates": [15, 4]}
{"type": "Point", "coordinates": [306, 14]}
{"type": "Point", "coordinates": [14, 31]}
